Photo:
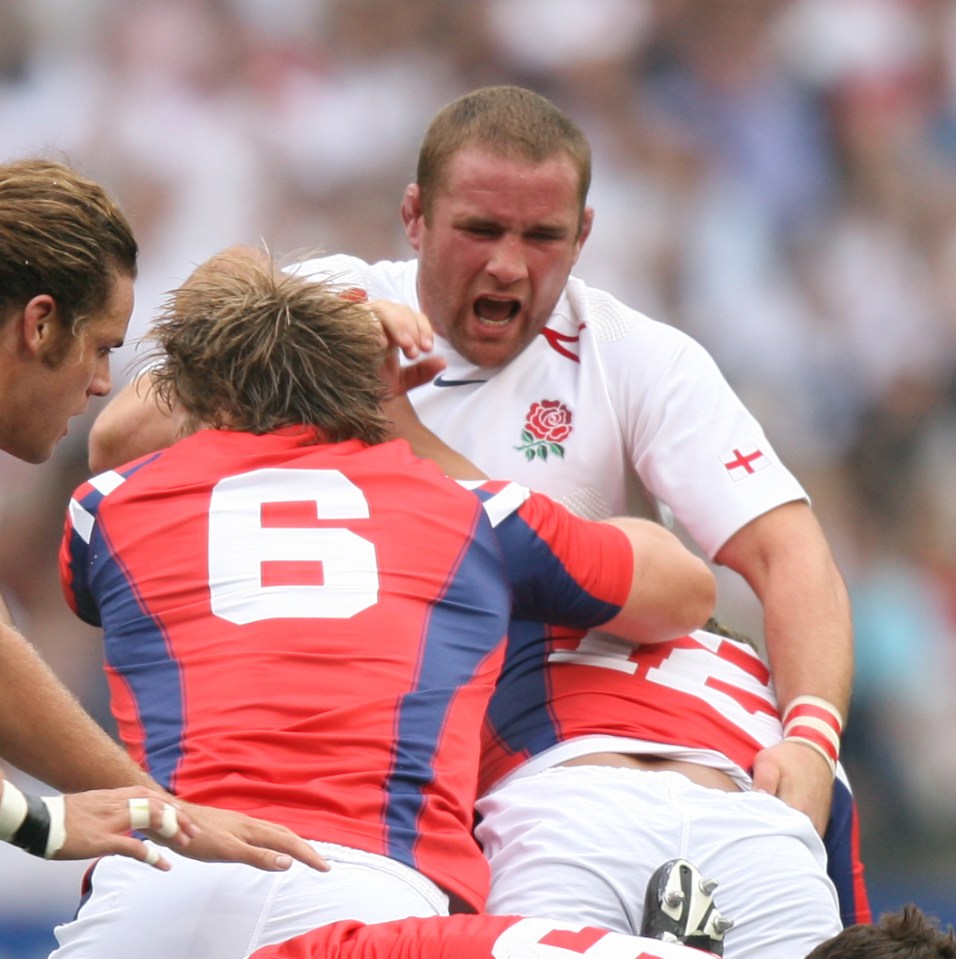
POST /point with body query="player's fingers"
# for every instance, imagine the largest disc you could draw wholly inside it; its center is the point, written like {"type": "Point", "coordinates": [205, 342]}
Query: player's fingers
{"type": "Point", "coordinates": [155, 858]}
{"type": "Point", "coordinates": [269, 860]}
{"type": "Point", "coordinates": [385, 338]}
{"type": "Point", "coordinates": [417, 337]}
{"type": "Point", "coordinates": [158, 816]}
{"type": "Point", "coordinates": [133, 848]}
{"type": "Point", "coordinates": [404, 327]}
{"type": "Point", "coordinates": [228, 836]}
{"type": "Point", "coordinates": [424, 333]}
{"type": "Point", "coordinates": [139, 812]}
{"type": "Point", "coordinates": [273, 848]}
{"type": "Point", "coordinates": [417, 374]}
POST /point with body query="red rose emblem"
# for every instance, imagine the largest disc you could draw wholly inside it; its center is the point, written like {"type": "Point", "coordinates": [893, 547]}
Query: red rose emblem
{"type": "Point", "coordinates": [547, 425]}
{"type": "Point", "coordinates": [549, 420]}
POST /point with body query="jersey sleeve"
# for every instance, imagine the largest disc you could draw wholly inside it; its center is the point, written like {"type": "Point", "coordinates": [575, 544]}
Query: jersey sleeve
{"type": "Point", "coordinates": [562, 569]}
{"type": "Point", "coordinates": [690, 438]}
{"type": "Point", "coordinates": [74, 555]}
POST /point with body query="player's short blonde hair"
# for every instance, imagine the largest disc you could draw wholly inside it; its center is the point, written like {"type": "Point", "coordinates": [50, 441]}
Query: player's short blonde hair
{"type": "Point", "coordinates": [507, 121]}
{"type": "Point", "coordinates": [242, 345]}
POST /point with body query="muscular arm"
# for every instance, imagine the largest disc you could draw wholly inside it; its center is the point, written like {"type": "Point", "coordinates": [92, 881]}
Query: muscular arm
{"type": "Point", "coordinates": [672, 590]}
{"type": "Point", "coordinates": [636, 581]}
{"type": "Point", "coordinates": [787, 561]}
{"type": "Point", "coordinates": [46, 732]}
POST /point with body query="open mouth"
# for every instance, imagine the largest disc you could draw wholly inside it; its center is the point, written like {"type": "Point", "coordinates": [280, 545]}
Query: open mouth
{"type": "Point", "coordinates": [492, 311]}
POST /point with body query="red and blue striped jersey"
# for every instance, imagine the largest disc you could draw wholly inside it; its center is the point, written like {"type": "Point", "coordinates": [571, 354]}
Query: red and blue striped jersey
{"type": "Point", "coordinates": [310, 633]}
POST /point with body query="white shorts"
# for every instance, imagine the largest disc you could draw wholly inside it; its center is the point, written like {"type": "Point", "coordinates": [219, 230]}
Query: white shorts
{"type": "Point", "coordinates": [581, 842]}
{"type": "Point", "coordinates": [201, 910]}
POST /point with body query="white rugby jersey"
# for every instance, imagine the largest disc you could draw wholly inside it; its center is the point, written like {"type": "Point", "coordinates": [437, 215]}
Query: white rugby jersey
{"type": "Point", "coordinates": [603, 405]}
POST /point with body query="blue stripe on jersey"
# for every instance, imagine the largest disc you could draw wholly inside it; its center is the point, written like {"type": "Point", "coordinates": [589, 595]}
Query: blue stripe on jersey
{"type": "Point", "coordinates": [841, 858]}
{"type": "Point", "coordinates": [519, 703]}
{"type": "Point", "coordinates": [458, 637]}
{"type": "Point", "coordinates": [542, 588]}
{"type": "Point", "coordinates": [136, 647]}
{"type": "Point", "coordinates": [79, 553]}
{"type": "Point", "coordinates": [82, 601]}
{"type": "Point", "coordinates": [155, 685]}
{"type": "Point", "coordinates": [543, 591]}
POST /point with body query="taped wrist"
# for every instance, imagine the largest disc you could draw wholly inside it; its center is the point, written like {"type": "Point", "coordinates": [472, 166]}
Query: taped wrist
{"type": "Point", "coordinates": [36, 824]}
{"type": "Point", "coordinates": [817, 724]}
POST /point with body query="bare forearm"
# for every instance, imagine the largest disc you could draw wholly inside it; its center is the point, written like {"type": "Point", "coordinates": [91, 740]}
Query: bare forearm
{"type": "Point", "coordinates": [809, 634]}
{"type": "Point", "coordinates": [46, 732]}
{"type": "Point", "coordinates": [424, 443]}
{"type": "Point", "coordinates": [132, 425]}
{"type": "Point", "coordinates": [808, 630]}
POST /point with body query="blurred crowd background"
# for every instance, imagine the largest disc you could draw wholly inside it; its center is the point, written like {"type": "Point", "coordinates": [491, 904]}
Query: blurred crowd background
{"type": "Point", "coordinates": [775, 177]}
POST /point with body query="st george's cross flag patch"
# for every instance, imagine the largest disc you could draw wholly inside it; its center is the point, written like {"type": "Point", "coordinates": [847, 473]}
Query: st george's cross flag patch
{"type": "Point", "coordinates": [743, 461]}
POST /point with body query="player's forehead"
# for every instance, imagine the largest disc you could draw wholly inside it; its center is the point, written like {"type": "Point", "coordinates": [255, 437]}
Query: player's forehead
{"type": "Point", "coordinates": [479, 180]}
{"type": "Point", "coordinates": [108, 325]}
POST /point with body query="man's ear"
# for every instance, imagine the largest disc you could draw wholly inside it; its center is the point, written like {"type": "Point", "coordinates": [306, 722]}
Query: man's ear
{"type": "Point", "coordinates": [412, 215]}
{"type": "Point", "coordinates": [39, 324]}
{"type": "Point", "coordinates": [587, 221]}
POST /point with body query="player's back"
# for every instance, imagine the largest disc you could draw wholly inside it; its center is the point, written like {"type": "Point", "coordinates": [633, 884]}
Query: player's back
{"type": "Point", "coordinates": [309, 633]}
{"type": "Point", "coordinates": [701, 697]}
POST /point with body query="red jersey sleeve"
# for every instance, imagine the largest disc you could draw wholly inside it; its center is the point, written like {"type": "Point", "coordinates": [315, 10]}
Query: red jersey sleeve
{"type": "Point", "coordinates": [561, 568]}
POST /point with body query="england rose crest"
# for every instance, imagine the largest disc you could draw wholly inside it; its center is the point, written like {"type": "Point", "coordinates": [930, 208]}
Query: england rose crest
{"type": "Point", "coordinates": [547, 426]}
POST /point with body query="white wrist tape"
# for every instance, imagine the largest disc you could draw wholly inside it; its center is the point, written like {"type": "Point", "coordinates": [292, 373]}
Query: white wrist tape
{"type": "Point", "coordinates": [57, 807]}
{"type": "Point", "coordinates": [34, 823]}
{"type": "Point", "coordinates": [13, 810]}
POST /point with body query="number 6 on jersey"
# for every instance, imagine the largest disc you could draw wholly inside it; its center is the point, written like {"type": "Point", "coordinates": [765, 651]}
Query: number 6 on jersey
{"type": "Point", "coordinates": [242, 549]}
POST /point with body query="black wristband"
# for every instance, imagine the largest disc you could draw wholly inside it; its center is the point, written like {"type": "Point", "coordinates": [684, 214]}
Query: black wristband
{"type": "Point", "coordinates": [34, 831]}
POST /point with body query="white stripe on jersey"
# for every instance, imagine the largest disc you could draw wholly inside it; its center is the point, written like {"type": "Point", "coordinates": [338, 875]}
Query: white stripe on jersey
{"type": "Point", "coordinates": [82, 521]}
{"type": "Point", "coordinates": [505, 502]}
{"type": "Point", "coordinates": [81, 518]}
{"type": "Point", "coordinates": [598, 649]}
{"type": "Point", "coordinates": [106, 482]}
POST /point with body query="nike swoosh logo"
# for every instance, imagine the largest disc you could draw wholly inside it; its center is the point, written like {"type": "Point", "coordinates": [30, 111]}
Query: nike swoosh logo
{"type": "Point", "coordinates": [441, 381]}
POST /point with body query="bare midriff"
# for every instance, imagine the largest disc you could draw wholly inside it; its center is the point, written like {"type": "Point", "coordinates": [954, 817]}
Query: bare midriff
{"type": "Point", "coordinates": [702, 775]}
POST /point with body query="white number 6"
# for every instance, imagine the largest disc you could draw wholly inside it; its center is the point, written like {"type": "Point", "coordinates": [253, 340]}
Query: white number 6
{"type": "Point", "coordinates": [239, 545]}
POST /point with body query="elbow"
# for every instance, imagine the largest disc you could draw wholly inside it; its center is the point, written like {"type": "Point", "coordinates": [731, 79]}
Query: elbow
{"type": "Point", "coordinates": [701, 596]}
{"type": "Point", "coordinates": [673, 591]}
{"type": "Point", "coordinates": [686, 597]}
{"type": "Point", "coordinates": [677, 598]}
